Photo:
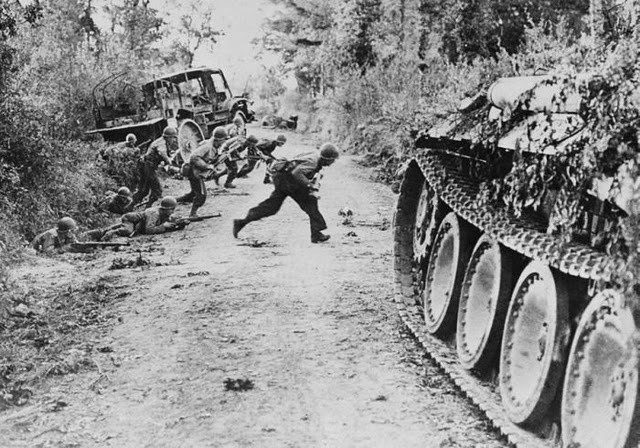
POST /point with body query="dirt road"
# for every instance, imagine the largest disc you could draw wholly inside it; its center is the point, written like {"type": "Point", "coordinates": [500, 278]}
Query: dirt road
{"type": "Point", "coordinates": [264, 341]}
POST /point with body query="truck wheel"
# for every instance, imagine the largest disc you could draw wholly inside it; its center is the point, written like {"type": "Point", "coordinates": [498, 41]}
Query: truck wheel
{"type": "Point", "coordinates": [189, 136]}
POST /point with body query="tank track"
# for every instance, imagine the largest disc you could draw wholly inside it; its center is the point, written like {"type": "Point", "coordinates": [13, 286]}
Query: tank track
{"type": "Point", "coordinates": [525, 235]}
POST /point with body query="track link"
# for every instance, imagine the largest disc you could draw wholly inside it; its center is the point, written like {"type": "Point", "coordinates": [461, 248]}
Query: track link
{"type": "Point", "coordinates": [524, 235]}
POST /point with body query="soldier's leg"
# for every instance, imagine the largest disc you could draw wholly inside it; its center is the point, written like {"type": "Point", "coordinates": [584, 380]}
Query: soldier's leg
{"type": "Point", "coordinates": [194, 184]}
{"type": "Point", "coordinates": [251, 164]}
{"type": "Point", "coordinates": [309, 204]}
{"type": "Point", "coordinates": [200, 195]}
{"type": "Point", "coordinates": [143, 184]}
{"type": "Point", "coordinates": [268, 207]}
{"type": "Point", "coordinates": [232, 171]}
{"type": "Point", "coordinates": [155, 187]}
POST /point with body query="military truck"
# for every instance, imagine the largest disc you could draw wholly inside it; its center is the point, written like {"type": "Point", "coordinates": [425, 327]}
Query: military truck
{"type": "Point", "coordinates": [531, 322]}
{"type": "Point", "coordinates": [195, 101]}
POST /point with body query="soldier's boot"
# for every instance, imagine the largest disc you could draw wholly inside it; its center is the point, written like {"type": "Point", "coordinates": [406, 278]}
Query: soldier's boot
{"type": "Point", "coordinates": [229, 185]}
{"type": "Point", "coordinates": [319, 237]}
{"type": "Point", "coordinates": [238, 225]}
{"type": "Point", "coordinates": [194, 211]}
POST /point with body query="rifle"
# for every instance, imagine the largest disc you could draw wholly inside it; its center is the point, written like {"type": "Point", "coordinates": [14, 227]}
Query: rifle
{"type": "Point", "coordinates": [181, 223]}
{"type": "Point", "coordinates": [86, 246]}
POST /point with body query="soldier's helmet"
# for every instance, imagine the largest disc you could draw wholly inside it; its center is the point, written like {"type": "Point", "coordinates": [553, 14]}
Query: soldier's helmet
{"type": "Point", "coordinates": [252, 139]}
{"type": "Point", "coordinates": [124, 192]}
{"type": "Point", "coordinates": [131, 139]}
{"type": "Point", "coordinates": [66, 224]}
{"type": "Point", "coordinates": [281, 139]}
{"type": "Point", "coordinates": [329, 151]}
{"type": "Point", "coordinates": [220, 133]}
{"type": "Point", "coordinates": [238, 121]}
{"type": "Point", "coordinates": [170, 131]}
{"type": "Point", "coordinates": [168, 203]}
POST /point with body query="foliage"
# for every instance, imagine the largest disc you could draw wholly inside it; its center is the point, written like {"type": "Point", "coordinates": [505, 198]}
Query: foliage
{"type": "Point", "coordinates": [52, 54]}
{"type": "Point", "coordinates": [135, 27]}
{"type": "Point", "coordinates": [194, 29]}
{"type": "Point", "coordinates": [482, 28]}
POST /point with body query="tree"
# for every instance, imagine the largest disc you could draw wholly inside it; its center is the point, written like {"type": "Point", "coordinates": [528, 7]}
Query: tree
{"type": "Point", "coordinates": [136, 26]}
{"type": "Point", "coordinates": [357, 33]}
{"type": "Point", "coordinates": [193, 30]}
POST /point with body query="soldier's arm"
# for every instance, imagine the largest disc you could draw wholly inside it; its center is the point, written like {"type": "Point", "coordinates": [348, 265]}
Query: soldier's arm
{"type": "Point", "coordinates": [151, 228]}
{"type": "Point", "coordinates": [162, 150]}
{"type": "Point", "coordinates": [197, 161]}
{"type": "Point", "coordinates": [38, 243]}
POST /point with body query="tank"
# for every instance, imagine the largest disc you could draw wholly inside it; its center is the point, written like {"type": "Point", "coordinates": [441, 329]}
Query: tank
{"type": "Point", "coordinates": [528, 320]}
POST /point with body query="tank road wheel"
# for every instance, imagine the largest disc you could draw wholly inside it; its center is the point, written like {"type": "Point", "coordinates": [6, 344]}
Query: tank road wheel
{"type": "Point", "coordinates": [445, 270]}
{"type": "Point", "coordinates": [599, 401]}
{"type": "Point", "coordinates": [484, 300]}
{"type": "Point", "coordinates": [189, 136]}
{"type": "Point", "coordinates": [534, 343]}
{"type": "Point", "coordinates": [428, 216]}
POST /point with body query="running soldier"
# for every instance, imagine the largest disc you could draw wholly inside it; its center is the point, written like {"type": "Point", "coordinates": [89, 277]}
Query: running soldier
{"type": "Point", "coordinates": [200, 166]}
{"type": "Point", "coordinates": [263, 151]}
{"type": "Point", "coordinates": [159, 151]}
{"type": "Point", "coordinates": [296, 179]}
{"type": "Point", "coordinates": [230, 153]}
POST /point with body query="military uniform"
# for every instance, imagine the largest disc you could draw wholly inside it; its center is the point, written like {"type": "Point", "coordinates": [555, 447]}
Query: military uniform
{"type": "Point", "coordinates": [148, 177]}
{"type": "Point", "coordinates": [293, 180]}
{"type": "Point", "coordinates": [118, 204]}
{"type": "Point", "coordinates": [52, 239]}
{"type": "Point", "coordinates": [235, 131]}
{"type": "Point", "coordinates": [196, 171]}
{"type": "Point", "coordinates": [231, 149]}
{"type": "Point", "coordinates": [262, 150]}
{"type": "Point", "coordinates": [147, 222]}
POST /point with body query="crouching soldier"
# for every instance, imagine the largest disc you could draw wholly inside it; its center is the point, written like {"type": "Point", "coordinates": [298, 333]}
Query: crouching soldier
{"type": "Point", "coordinates": [236, 128]}
{"type": "Point", "coordinates": [200, 166]}
{"type": "Point", "coordinates": [263, 150]}
{"type": "Point", "coordinates": [296, 179]}
{"type": "Point", "coordinates": [231, 152]}
{"type": "Point", "coordinates": [159, 151]}
{"type": "Point", "coordinates": [60, 237]}
{"type": "Point", "coordinates": [119, 203]}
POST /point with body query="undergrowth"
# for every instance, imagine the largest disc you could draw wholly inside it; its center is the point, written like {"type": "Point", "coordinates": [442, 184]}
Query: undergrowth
{"type": "Point", "coordinates": [40, 333]}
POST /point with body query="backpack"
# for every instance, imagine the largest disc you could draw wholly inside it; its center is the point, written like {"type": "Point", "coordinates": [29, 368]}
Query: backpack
{"type": "Point", "coordinates": [279, 166]}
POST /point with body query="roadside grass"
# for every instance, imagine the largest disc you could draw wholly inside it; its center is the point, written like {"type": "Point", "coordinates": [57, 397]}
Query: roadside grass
{"type": "Point", "coordinates": [48, 332]}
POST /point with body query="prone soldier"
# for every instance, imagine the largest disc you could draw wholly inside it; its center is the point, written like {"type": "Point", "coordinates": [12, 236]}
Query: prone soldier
{"type": "Point", "coordinates": [200, 166]}
{"type": "Point", "coordinates": [120, 202]}
{"type": "Point", "coordinates": [295, 179]}
{"type": "Point", "coordinates": [151, 221]}
{"type": "Point", "coordinates": [159, 151]}
{"type": "Point", "coordinates": [60, 237]}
